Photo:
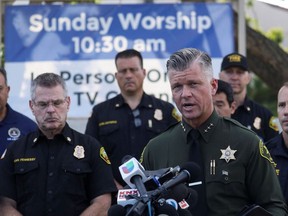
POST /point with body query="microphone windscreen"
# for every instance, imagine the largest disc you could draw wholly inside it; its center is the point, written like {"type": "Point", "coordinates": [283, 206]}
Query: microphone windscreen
{"type": "Point", "coordinates": [192, 198]}
{"type": "Point", "coordinates": [178, 192]}
{"type": "Point", "coordinates": [193, 169]}
{"type": "Point", "coordinates": [116, 210]}
{"type": "Point", "coordinates": [165, 209]}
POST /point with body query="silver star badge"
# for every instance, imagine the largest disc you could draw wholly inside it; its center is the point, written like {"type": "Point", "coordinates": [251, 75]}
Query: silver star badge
{"type": "Point", "coordinates": [228, 154]}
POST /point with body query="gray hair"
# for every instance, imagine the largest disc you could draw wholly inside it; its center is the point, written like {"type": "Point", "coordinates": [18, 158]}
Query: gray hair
{"type": "Point", "coordinates": [47, 80]}
{"type": "Point", "coordinates": [183, 58]}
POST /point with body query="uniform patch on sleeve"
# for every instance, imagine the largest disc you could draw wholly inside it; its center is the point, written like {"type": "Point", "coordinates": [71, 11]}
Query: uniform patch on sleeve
{"type": "Point", "coordinates": [104, 155]}
{"type": "Point", "coordinates": [4, 153]}
{"type": "Point", "coordinates": [176, 115]}
{"type": "Point", "coordinates": [273, 123]}
{"type": "Point", "coordinates": [265, 153]}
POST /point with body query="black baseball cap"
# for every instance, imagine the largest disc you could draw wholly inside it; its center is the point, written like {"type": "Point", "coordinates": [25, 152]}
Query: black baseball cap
{"type": "Point", "coordinates": [234, 60]}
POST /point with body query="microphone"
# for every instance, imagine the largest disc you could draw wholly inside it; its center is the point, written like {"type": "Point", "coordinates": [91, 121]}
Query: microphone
{"type": "Point", "coordinates": [116, 210]}
{"type": "Point", "coordinates": [158, 177]}
{"type": "Point", "coordinates": [165, 209]}
{"type": "Point", "coordinates": [189, 171]}
{"type": "Point", "coordinates": [126, 197]}
{"type": "Point", "coordinates": [184, 197]}
{"type": "Point", "coordinates": [133, 174]}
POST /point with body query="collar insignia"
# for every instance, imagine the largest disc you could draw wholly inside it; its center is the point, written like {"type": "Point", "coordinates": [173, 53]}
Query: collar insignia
{"type": "Point", "coordinates": [79, 152]}
{"type": "Point", "coordinates": [228, 154]}
{"type": "Point", "coordinates": [209, 127]}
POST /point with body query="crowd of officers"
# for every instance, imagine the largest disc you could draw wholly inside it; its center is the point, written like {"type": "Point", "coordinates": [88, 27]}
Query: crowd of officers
{"type": "Point", "coordinates": [49, 168]}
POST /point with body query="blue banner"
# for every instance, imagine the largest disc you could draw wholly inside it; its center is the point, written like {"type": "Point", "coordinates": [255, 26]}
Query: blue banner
{"type": "Point", "coordinates": [79, 42]}
{"type": "Point", "coordinates": [90, 31]}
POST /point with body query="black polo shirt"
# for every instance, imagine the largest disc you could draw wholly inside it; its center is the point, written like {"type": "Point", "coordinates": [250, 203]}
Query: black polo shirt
{"type": "Point", "coordinates": [55, 177]}
{"type": "Point", "coordinates": [257, 118]}
{"type": "Point", "coordinates": [124, 132]}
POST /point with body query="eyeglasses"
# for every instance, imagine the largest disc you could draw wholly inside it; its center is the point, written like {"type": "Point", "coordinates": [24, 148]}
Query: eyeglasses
{"type": "Point", "coordinates": [137, 120]}
{"type": "Point", "coordinates": [45, 104]}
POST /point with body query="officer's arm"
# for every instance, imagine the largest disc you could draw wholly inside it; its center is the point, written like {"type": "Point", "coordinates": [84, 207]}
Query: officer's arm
{"type": "Point", "coordinates": [8, 207]}
{"type": "Point", "coordinates": [99, 206]}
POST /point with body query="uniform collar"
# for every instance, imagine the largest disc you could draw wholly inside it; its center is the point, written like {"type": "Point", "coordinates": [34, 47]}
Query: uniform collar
{"type": "Point", "coordinates": [66, 134]}
{"type": "Point", "coordinates": [9, 118]}
{"type": "Point", "coordinates": [280, 149]}
{"type": "Point", "coordinates": [146, 101]}
{"type": "Point", "coordinates": [206, 129]}
{"type": "Point", "coordinates": [246, 104]}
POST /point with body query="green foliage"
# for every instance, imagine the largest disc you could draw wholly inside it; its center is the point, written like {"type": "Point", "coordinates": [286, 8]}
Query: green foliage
{"type": "Point", "coordinates": [276, 35]}
{"type": "Point", "coordinates": [263, 94]}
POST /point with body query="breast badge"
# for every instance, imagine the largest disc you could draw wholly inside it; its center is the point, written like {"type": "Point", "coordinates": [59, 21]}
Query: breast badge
{"type": "Point", "coordinates": [79, 152]}
{"type": "Point", "coordinates": [257, 123]}
{"type": "Point", "coordinates": [158, 115]}
{"type": "Point", "coordinates": [228, 154]}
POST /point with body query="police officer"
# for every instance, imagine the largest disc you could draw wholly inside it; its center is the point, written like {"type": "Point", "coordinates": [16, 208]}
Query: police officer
{"type": "Point", "coordinates": [278, 146]}
{"type": "Point", "coordinates": [13, 125]}
{"type": "Point", "coordinates": [236, 167]}
{"type": "Point", "coordinates": [54, 170]}
{"type": "Point", "coordinates": [223, 100]}
{"type": "Point", "coordinates": [125, 123]}
{"type": "Point", "coordinates": [234, 70]}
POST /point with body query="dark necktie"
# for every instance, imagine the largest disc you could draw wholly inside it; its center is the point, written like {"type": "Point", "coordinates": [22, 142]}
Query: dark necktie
{"type": "Point", "coordinates": [196, 156]}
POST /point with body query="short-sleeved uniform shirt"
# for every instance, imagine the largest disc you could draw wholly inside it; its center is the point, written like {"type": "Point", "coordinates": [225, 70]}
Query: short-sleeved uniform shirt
{"type": "Point", "coordinates": [243, 173]}
{"type": "Point", "coordinates": [257, 118]}
{"type": "Point", "coordinates": [124, 132]}
{"type": "Point", "coordinates": [279, 153]}
{"type": "Point", "coordinates": [55, 177]}
{"type": "Point", "coordinates": [14, 126]}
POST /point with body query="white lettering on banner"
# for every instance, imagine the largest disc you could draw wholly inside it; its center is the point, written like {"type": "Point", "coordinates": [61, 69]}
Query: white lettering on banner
{"type": "Point", "coordinates": [180, 21]}
{"type": "Point", "coordinates": [80, 23]}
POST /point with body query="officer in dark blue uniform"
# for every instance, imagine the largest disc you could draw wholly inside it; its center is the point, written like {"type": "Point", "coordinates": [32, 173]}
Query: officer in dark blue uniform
{"type": "Point", "coordinates": [54, 170]}
{"type": "Point", "coordinates": [234, 70]}
{"type": "Point", "coordinates": [125, 123]}
{"type": "Point", "coordinates": [278, 146]}
{"type": "Point", "coordinates": [13, 125]}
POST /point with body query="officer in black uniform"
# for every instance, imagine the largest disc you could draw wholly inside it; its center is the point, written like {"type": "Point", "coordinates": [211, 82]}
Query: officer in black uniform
{"type": "Point", "coordinates": [234, 70]}
{"type": "Point", "coordinates": [125, 123]}
{"type": "Point", "coordinates": [278, 146]}
{"type": "Point", "coordinates": [236, 168]}
{"type": "Point", "coordinates": [55, 170]}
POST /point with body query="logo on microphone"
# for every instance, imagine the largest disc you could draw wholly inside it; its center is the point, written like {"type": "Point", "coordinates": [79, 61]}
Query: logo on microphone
{"type": "Point", "coordinates": [129, 166]}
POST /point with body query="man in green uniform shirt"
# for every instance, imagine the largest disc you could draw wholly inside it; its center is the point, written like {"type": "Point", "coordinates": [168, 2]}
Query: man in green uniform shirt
{"type": "Point", "coordinates": [237, 169]}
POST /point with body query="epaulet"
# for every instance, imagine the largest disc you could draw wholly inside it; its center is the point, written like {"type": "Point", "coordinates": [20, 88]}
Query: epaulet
{"type": "Point", "coordinates": [235, 122]}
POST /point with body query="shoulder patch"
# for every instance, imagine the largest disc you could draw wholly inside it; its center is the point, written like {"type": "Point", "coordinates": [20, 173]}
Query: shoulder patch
{"type": "Point", "coordinates": [265, 153]}
{"type": "Point", "coordinates": [176, 115]}
{"type": "Point", "coordinates": [273, 123]}
{"type": "Point", "coordinates": [104, 155]}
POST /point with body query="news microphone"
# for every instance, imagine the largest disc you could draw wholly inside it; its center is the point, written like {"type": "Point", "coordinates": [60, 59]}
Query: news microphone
{"type": "Point", "coordinates": [132, 172]}
{"type": "Point", "coordinates": [158, 177]}
{"type": "Point", "coordinates": [189, 171]}
{"type": "Point", "coordinates": [116, 210]}
{"type": "Point", "coordinates": [126, 197]}
{"type": "Point", "coordinates": [165, 209]}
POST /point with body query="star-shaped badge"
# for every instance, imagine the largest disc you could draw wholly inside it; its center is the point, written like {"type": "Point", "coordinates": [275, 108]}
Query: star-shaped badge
{"type": "Point", "coordinates": [228, 154]}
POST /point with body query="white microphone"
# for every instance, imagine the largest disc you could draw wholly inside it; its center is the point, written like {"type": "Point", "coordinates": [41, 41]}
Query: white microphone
{"type": "Point", "coordinates": [132, 171]}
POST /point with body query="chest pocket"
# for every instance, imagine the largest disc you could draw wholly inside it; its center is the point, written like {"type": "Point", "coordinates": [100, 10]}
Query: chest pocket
{"type": "Point", "coordinates": [108, 129]}
{"type": "Point", "coordinates": [26, 173]}
{"type": "Point", "coordinates": [228, 180]}
{"type": "Point", "coordinates": [76, 174]}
